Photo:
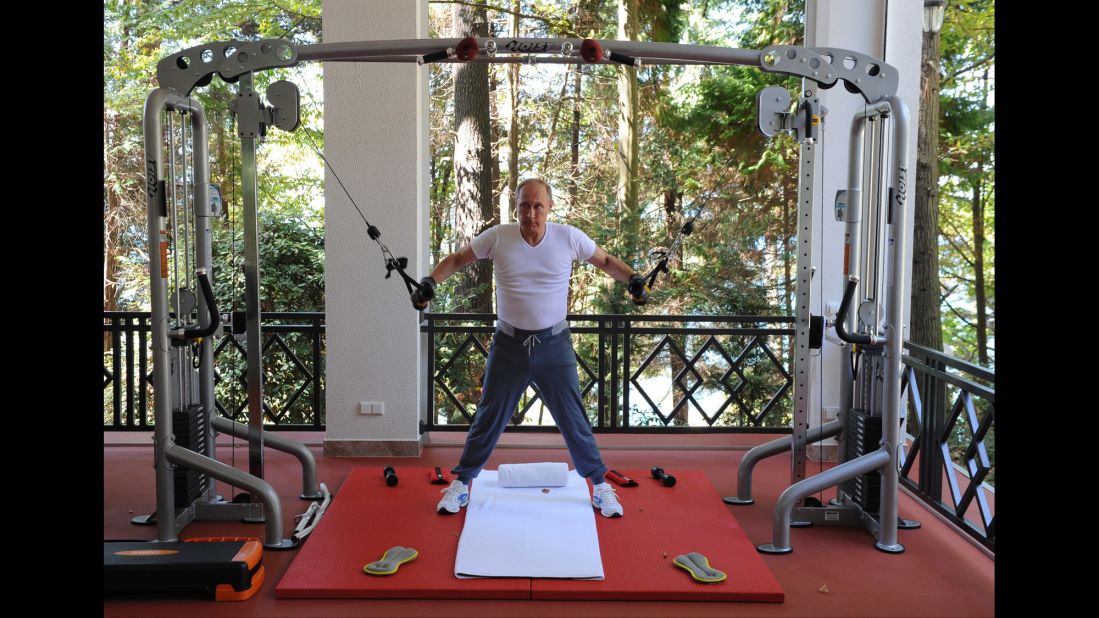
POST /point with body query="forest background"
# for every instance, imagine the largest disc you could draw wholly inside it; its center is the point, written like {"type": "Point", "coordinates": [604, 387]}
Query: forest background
{"type": "Point", "coordinates": [631, 156]}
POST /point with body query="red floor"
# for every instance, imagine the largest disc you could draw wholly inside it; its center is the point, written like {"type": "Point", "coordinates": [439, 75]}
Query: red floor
{"type": "Point", "coordinates": [832, 571]}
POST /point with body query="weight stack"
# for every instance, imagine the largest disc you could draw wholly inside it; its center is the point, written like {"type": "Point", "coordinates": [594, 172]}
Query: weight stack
{"type": "Point", "coordinates": [188, 427]}
{"type": "Point", "coordinates": [863, 436]}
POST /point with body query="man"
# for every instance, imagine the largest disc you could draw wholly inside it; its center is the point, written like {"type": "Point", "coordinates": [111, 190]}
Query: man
{"type": "Point", "coordinates": [533, 262]}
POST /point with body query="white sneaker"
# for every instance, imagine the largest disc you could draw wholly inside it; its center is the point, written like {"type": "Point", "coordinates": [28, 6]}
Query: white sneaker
{"type": "Point", "coordinates": [605, 499]}
{"type": "Point", "coordinates": [454, 498]}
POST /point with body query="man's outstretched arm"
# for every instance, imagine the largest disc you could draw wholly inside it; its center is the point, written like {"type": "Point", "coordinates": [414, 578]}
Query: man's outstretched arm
{"type": "Point", "coordinates": [447, 267]}
{"type": "Point", "coordinates": [453, 263]}
{"type": "Point", "coordinates": [620, 271]}
{"type": "Point", "coordinates": [616, 268]}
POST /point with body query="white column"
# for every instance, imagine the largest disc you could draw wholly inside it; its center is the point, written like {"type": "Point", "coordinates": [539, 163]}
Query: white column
{"type": "Point", "coordinates": [376, 138]}
{"type": "Point", "coordinates": [891, 31]}
{"type": "Point", "coordinates": [903, 43]}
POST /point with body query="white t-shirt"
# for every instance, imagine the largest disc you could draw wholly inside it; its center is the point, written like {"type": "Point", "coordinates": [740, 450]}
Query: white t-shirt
{"type": "Point", "coordinates": [532, 283]}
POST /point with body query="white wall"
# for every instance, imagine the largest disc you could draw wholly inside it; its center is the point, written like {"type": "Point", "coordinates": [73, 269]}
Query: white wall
{"type": "Point", "coordinates": [889, 30]}
{"type": "Point", "coordinates": [376, 131]}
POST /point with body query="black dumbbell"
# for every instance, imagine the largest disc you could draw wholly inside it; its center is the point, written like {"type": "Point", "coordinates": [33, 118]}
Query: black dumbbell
{"type": "Point", "coordinates": [667, 479]}
{"type": "Point", "coordinates": [390, 476]}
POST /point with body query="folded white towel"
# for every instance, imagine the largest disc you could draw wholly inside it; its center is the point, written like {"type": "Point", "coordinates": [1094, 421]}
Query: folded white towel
{"type": "Point", "coordinates": [544, 474]}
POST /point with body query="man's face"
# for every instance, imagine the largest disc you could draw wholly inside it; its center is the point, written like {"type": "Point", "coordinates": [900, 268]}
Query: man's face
{"type": "Point", "coordinates": [534, 205]}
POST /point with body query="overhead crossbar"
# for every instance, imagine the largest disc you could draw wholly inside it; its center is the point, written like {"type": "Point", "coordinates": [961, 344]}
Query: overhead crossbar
{"type": "Point", "coordinates": [861, 74]}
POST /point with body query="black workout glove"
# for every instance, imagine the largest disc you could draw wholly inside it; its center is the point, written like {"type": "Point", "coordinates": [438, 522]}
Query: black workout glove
{"type": "Point", "coordinates": [423, 294]}
{"type": "Point", "coordinates": [636, 286]}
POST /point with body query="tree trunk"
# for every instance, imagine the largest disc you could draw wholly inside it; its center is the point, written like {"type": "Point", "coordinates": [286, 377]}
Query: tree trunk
{"type": "Point", "coordinates": [111, 240]}
{"type": "Point", "coordinates": [513, 129]}
{"type": "Point", "coordinates": [439, 179]}
{"type": "Point", "coordinates": [574, 161]}
{"type": "Point", "coordinates": [574, 169]}
{"type": "Point", "coordinates": [494, 122]}
{"type": "Point", "coordinates": [553, 127]}
{"type": "Point", "coordinates": [979, 247]}
{"type": "Point", "coordinates": [673, 220]}
{"type": "Point", "coordinates": [472, 161]}
{"type": "Point", "coordinates": [979, 266]}
{"type": "Point", "coordinates": [628, 214]}
{"type": "Point", "coordinates": [926, 301]}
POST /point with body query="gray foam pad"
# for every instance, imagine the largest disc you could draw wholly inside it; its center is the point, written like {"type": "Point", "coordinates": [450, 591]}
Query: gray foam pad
{"type": "Point", "coordinates": [699, 567]}
{"type": "Point", "coordinates": [391, 560]}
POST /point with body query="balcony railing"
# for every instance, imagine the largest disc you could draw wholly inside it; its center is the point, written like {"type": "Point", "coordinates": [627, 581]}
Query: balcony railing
{"type": "Point", "coordinates": [637, 373]}
{"type": "Point", "coordinates": [293, 365]}
{"type": "Point", "coordinates": [951, 421]}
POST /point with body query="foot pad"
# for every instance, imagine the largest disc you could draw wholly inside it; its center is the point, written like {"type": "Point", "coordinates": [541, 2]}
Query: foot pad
{"type": "Point", "coordinates": [392, 560]}
{"type": "Point", "coordinates": [699, 567]}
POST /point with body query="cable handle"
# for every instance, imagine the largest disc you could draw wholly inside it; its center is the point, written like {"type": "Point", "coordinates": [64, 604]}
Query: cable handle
{"type": "Point", "coordinates": [392, 263]}
{"type": "Point", "coordinates": [191, 333]}
{"type": "Point", "coordinates": [841, 317]}
{"type": "Point", "coordinates": [662, 265]}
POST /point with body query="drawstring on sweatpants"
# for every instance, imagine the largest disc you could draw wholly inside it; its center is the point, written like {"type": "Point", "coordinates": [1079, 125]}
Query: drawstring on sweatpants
{"type": "Point", "coordinates": [530, 342]}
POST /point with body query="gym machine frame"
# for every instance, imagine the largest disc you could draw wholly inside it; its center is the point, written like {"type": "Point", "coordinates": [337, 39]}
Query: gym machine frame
{"type": "Point", "coordinates": [876, 390]}
{"type": "Point", "coordinates": [178, 387]}
{"type": "Point", "coordinates": [820, 68]}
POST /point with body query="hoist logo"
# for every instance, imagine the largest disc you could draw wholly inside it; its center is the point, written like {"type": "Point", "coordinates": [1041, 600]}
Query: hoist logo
{"type": "Point", "coordinates": [902, 185]}
{"type": "Point", "coordinates": [150, 177]}
{"type": "Point", "coordinates": [515, 45]}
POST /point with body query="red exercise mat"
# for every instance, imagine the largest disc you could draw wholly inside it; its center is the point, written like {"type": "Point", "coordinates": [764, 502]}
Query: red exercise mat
{"type": "Point", "coordinates": [659, 520]}
{"type": "Point", "coordinates": [367, 517]}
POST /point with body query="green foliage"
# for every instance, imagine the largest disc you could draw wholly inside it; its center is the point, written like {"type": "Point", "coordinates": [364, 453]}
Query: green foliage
{"type": "Point", "coordinates": [967, 164]}
{"type": "Point", "coordinates": [700, 154]}
{"type": "Point", "coordinates": [662, 20]}
{"type": "Point", "coordinates": [137, 35]}
{"type": "Point", "coordinates": [291, 264]}
{"type": "Point", "coordinates": [288, 372]}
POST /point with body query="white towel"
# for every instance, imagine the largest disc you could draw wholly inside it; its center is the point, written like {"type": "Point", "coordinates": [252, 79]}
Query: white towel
{"type": "Point", "coordinates": [529, 531]}
{"type": "Point", "coordinates": [544, 474]}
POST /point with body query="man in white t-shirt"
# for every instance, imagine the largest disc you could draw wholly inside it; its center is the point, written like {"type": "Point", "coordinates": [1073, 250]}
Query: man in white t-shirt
{"type": "Point", "coordinates": [532, 262]}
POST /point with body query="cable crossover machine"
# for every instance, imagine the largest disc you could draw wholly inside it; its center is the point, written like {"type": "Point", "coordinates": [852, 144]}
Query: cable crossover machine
{"type": "Point", "coordinates": [868, 324]}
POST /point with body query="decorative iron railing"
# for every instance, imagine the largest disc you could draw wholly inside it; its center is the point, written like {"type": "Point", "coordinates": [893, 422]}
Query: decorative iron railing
{"type": "Point", "coordinates": [637, 373]}
{"type": "Point", "coordinates": [659, 374]}
{"type": "Point", "coordinates": [950, 464]}
{"type": "Point", "coordinates": [293, 363]}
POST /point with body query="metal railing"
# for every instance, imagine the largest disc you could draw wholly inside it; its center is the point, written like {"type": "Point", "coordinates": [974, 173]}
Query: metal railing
{"type": "Point", "coordinates": [705, 373]}
{"type": "Point", "coordinates": [293, 355]}
{"type": "Point", "coordinates": [951, 462]}
{"type": "Point", "coordinates": [728, 370]}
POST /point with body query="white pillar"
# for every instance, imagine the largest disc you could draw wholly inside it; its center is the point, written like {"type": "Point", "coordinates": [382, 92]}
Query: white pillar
{"type": "Point", "coordinates": [891, 31]}
{"type": "Point", "coordinates": [376, 138]}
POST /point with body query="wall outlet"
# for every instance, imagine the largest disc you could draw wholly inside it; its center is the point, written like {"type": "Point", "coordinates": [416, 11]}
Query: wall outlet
{"type": "Point", "coordinates": [830, 310]}
{"type": "Point", "coordinates": [375, 408]}
{"type": "Point", "coordinates": [831, 414]}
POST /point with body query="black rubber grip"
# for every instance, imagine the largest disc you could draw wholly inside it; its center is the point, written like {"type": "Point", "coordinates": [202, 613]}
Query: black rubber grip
{"type": "Point", "coordinates": [624, 59]}
{"type": "Point", "coordinates": [436, 56]}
